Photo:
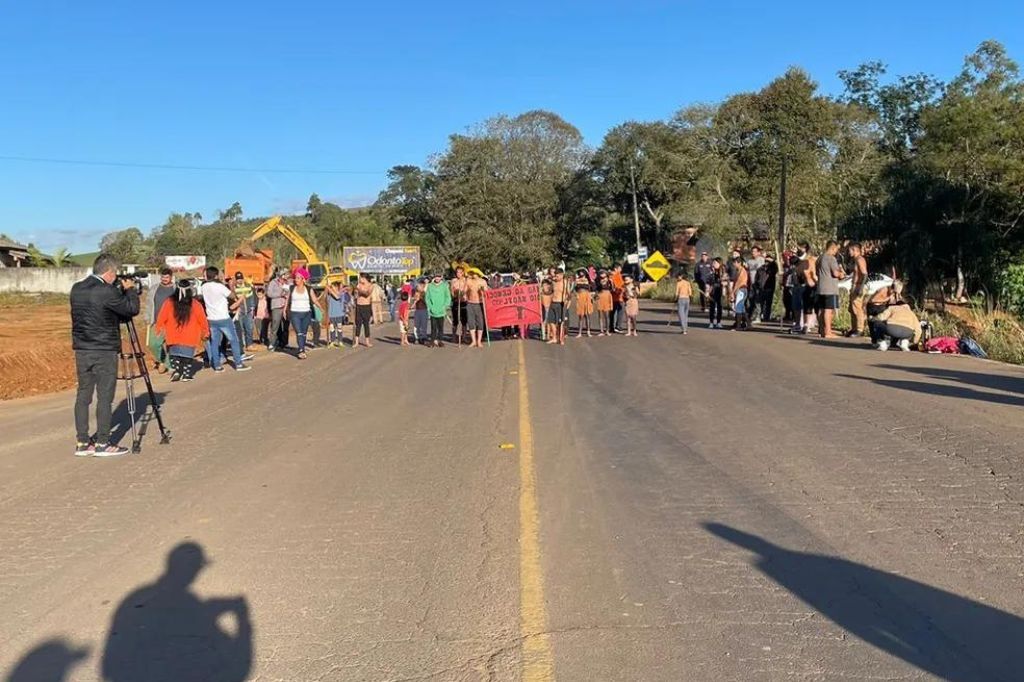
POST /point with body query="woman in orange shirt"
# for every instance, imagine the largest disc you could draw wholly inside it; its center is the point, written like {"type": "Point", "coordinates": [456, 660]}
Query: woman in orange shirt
{"type": "Point", "coordinates": [183, 323]}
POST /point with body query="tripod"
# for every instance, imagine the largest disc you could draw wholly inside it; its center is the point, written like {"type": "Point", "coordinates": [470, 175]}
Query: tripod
{"type": "Point", "coordinates": [129, 373]}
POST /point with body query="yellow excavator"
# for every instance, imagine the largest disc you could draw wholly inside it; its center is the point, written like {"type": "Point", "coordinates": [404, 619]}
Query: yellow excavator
{"type": "Point", "coordinates": [318, 268]}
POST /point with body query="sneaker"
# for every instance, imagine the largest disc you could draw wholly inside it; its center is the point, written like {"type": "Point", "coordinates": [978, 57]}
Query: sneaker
{"type": "Point", "coordinates": [242, 368]}
{"type": "Point", "coordinates": [883, 345]}
{"type": "Point", "coordinates": [175, 377]}
{"type": "Point", "coordinates": [247, 357]}
{"type": "Point", "coordinates": [218, 370]}
{"type": "Point", "coordinates": [85, 450]}
{"type": "Point", "coordinates": [905, 345]}
{"type": "Point", "coordinates": [186, 379]}
{"type": "Point", "coordinates": [110, 450]}
{"type": "Point", "coordinates": [270, 349]}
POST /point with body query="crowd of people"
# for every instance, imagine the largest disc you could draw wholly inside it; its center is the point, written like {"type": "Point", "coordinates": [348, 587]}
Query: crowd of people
{"type": "Point", "coordinates": [227, 317]}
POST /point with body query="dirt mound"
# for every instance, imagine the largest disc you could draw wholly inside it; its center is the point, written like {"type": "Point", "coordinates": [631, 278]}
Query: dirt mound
{"type": "Point", "coordinates": [35, 346]}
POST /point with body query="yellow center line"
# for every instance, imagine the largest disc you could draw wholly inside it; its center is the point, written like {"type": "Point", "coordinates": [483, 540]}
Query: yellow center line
{"type": "Point", "coordinates": [538, 664]}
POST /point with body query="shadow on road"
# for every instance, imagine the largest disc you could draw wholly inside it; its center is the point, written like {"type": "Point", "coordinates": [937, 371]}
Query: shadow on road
{"type": "Point", "coordinates": [941, 633]}
{"type": "Point", "coordinates": [997, 382]}
{"type": "Point", "coordinates": [942, 390]}
{"type": "Point", "coordinates": [164, 632]}
{"type": "Point", "coordinates": [121, 420]}
{"type": "Point", "coordinates": [161, 632]}
{"type": "Point", "coordinates": [51, 661]}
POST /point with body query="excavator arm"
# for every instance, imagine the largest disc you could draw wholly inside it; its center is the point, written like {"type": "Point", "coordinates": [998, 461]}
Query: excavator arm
{"type": "Point", "coordinates": [317, 267]}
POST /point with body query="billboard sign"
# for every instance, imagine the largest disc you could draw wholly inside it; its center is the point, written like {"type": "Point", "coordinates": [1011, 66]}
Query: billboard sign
{"type": "Point", "coordinates": [182, 263]}
{"type": "Point", "coordinates": [381, 260]}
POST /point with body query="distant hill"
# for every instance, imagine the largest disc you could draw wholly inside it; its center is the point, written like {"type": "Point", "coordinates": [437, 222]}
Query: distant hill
{"type": "Point", "coordinates": [84, 259]}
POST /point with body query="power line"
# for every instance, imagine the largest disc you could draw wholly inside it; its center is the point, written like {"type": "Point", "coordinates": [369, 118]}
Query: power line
{"type": "Point", "coordinates": [179, 167]}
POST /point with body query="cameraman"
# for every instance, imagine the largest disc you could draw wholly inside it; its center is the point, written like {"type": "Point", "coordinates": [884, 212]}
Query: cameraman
{"type": "Point", "coordinates": [99, 304]}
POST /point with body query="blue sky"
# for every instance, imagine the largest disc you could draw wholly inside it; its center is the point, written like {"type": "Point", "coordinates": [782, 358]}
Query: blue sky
{"type": "Point", "coordinates": [363, 86]}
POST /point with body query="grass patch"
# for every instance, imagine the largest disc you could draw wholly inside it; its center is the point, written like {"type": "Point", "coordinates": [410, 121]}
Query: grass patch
{"type": "Point", "coordinates": [1000, 335]}
{"type": "Point", "coordinates": [664, 290]}
{"type": "Point", "coordinates": [16, 299]}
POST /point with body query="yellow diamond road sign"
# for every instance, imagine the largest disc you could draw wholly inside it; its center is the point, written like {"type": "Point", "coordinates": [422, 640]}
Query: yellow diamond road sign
{"type": "Point", "coordinates": [656, 266]}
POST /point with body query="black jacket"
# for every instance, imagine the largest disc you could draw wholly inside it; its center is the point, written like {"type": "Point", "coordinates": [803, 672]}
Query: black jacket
{"type": "Point", "coordinates": [97, 310]}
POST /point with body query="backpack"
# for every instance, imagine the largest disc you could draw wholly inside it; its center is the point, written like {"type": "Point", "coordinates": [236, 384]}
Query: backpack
{"type": "Point", "coordinates": [969, 346]}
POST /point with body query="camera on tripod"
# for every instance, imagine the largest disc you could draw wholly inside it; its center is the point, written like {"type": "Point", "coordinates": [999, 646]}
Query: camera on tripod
{"type": "Point", "coordinates": [140, 277]}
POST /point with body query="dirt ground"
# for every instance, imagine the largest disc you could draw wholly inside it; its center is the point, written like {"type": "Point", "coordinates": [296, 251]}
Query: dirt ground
{"type": "Point", "coordinates": [35, 346]}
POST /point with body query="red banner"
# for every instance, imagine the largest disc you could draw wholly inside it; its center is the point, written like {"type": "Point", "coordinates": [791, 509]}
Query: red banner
{"type": "Point", "coordinates": [512, 306]}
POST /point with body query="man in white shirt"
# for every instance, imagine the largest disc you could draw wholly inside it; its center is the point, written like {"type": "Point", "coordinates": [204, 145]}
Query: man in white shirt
{"type": "Point", "coordinates": [217, 298]}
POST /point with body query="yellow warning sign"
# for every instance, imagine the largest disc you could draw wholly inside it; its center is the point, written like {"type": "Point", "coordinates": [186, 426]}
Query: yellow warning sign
{"type": "Point", "coordinates": [656, 266]}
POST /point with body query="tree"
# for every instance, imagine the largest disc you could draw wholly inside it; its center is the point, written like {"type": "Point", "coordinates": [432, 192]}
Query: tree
{"type": "Point", "coordinates": [62, 258]}
{"type": "Point", "coordinates": [36, 258]}
{"type": "Point", "coordinates": [129, 246]}
{"type": "Point", "coordinates": [313, 206]}
{"type": "Point", "coordinates": [232, 214]}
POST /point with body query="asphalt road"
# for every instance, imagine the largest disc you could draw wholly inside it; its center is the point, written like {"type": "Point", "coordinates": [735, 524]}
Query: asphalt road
{"type": "Point", "coordinates": [719, 506]}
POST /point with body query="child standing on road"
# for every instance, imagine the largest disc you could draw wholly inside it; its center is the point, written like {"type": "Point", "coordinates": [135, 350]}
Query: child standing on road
{"type": "Point", "coordinates": [403, 317]}
{"type": "Point", "coordinates": [335, 315]}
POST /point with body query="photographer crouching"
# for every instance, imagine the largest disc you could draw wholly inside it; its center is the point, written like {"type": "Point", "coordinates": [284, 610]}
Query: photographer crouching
{"type": "Point", "coordinates": [100, 303]}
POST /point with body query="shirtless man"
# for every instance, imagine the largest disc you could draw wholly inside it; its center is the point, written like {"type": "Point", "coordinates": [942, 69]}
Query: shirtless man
{"type": "Point", "coordinates": [459, 304]}
{"type": "Point", "coordinates": [474, 308]}
{"type": "Point", "coordinates": [364, 310]}
{"type": "Point", "coordinates": [740, 294]}
{"type": "Point", "coordinates": [860, 275]}
{"type": "Point", "coordinates": [806, 272]}
{"type": "Point", "coordinates": [561, 296]}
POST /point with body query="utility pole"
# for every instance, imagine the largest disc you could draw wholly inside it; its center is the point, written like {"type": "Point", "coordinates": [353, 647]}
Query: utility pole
{"type": "Point", "coordinates": [636, 213]}
{"type": "Point", "coordinates": [782, 208]}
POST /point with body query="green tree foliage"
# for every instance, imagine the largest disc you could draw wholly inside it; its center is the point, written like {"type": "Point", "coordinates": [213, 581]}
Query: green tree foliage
{"type": "Point", "coordinates": [128, 245]}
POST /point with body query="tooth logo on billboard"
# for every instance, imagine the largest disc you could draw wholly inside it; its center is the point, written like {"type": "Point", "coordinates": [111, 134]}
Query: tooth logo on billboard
{"type": "Point", "coordinates": [382, 260]}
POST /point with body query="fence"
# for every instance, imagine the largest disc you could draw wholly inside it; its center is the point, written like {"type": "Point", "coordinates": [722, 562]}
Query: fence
{"type": "Point", "coordinates": [40, 280]}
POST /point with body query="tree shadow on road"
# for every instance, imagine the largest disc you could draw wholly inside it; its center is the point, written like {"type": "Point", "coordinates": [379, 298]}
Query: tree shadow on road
{"type": "Point", "coordinates": [50, 661]}
{"type": "Point", "coordinates": [164, 632]}
{"type": "Point", "coordinates": [997, 382]}
{"type": "Point", "coordinates": [939, 632]}
{"type": "Point", "coordinates": [942, 390]}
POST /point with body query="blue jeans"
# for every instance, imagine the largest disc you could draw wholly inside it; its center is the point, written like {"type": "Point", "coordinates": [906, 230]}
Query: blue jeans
{"type": "Point", "coordinates": [218, 330]}
{"type": "Point", "coordinates": [300, 322]}
{"type": "Point", "coordinates": [246, 324]}
{"type": "Point", "coordinates": [683, 308]}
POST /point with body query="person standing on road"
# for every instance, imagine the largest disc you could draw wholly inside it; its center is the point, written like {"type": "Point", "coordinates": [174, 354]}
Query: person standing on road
{"type": "Point", "coordinates": [631, 304]}
{"type": "Point", "coordinates": [604, 304]}
{"type": "Point", "coordinates": [474, 291]}
{"type": "Point", "coordinates": [184, 324]}
{"type": "Point", "coordinates": [302, 301]}
{"type": "Point", "coordinates": [262, 315]}
{"type": "Point", "coordinates": [243, 310]}
{"type": "Point", "coordinates": [561, 292]}
{"type": "Point", "coordinates": [858, 319]}
{"type": "Point", "coordinates": [459, 309]}
{"type": "Point", "coordinates": [715, 288]}
{"type": "Point", "coordinates": [364, 310]}
{"type": "Point", "coordinates": [828, 274]}
{"type": "Point", "coordinates": [702, 276]}
{"type": "Point", "coordinates": [98, 308]}
{"type": "Point", "coordinates": [217, 299]}
{"type": "Point", "coordinates": [277, 294]}
{"type": "Point", "coordinates": [807, 281]}
{"type": "Point", "coordinates": [439, 300]}
{"type": "Point", "coordinates": [155, 300]}
{"type": "Point", "coordinates": [618, 282]}
{"type": "Point", "coordinates": [335, 316]}
{"type": "Point", "coordinates": [377, 302]}
{"type": "Point", "coordinates": [584, 302]}
{"type": "Point", "coordinates": [753, 266]}
{"type": "Point", "coordinates": [683, 294]}
{"type": "Point", "coordinates": [767, 275]}
{"type": "Point", "coordinates": [421, 320]}
{"type": "Point", "coordinates": [403, 316]}
{"type": "Point", "coordinates": [739, 295]}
